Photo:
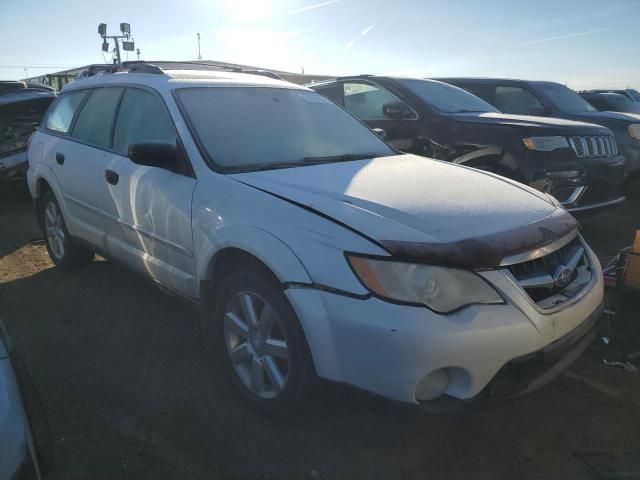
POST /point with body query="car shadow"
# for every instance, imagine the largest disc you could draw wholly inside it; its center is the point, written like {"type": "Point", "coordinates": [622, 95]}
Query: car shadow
{"type": "Point", "coordinates": [18, 224]}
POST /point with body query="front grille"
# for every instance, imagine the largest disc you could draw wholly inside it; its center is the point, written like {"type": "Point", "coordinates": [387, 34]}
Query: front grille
{"type": "Point", "coordinates": [594, 146]}
{"type": "Point", "coordinates": [539, 278]}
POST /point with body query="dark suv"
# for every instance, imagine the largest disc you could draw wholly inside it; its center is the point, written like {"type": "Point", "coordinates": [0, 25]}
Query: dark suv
{"type": "Point", "coordinates": [440, 121]}
{"type": "Point", "coordinates": [630, 93]}
{"type": "Point", "coordinates": [611, 102]}
{"type": "Point", "coordinates": [555, 100]}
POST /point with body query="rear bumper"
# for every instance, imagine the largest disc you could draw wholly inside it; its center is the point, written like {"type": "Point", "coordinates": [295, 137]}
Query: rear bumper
{"type": "Point", "coordinates": [14, 164]}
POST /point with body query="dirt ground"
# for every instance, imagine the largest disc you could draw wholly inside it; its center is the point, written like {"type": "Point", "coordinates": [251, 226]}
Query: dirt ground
{"type": "Point", "coordinates": [129, 394]}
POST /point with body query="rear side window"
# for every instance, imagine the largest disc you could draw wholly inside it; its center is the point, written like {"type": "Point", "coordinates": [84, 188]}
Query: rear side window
{"type": "Point", "coordinates": [95, 121]}
{"type": "Point", "coordinates": [142, 118]}
{"type": "Point", "coordinates": [60, 118]}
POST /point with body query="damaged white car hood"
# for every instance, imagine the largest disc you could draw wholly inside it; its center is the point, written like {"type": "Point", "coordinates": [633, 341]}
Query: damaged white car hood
{"type": "Point", "coordinates": [406, 198]}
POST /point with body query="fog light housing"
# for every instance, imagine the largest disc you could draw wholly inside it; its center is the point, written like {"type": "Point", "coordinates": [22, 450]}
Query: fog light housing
{"type": "Point", "coordinates": [433, 385]}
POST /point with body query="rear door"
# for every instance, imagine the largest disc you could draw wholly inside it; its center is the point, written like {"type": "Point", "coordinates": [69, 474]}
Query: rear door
{"type": "Point", "coordinates": [76, 155]}
{"type": "Point", "coordinates": [149, 208]}
{"type": "Point", "coordinates": [379, 108]}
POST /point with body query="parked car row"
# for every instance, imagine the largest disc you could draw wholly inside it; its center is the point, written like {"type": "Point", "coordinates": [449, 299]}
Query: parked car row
{"type": "Point", "coordinates": [578, 163]}
{"type": "Point", "coordinates": [315, 248]}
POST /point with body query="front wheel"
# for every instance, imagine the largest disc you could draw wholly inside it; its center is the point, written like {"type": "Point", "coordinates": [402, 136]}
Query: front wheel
{"type": "Point", "coordinates": [264, 347]}
{"type": "Point", "coordinates": [61, 248]}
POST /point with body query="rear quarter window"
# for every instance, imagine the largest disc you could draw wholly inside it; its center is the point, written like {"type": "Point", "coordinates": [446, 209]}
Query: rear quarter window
{"type": "Point", "coordinates": [60, 118]}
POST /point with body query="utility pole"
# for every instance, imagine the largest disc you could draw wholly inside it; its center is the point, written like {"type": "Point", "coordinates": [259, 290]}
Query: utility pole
{"type": "Point", "coordinates": [138, 53]}
{"type": "Point", "coordinates": [127, 42]}
{"type": "Point", "coordinates": [199, 56]}
{"type": "Point", "coordinates": [25, 74]}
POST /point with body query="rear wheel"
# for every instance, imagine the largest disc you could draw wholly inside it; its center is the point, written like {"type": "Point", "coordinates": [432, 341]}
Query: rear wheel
{"type": "Point", "coordinates": [264, 347]}
{"type": "Point", "coordinates": [61, 248]}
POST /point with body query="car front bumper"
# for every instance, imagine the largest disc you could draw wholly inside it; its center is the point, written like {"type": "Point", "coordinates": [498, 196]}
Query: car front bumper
{"type": "Point", "coordinates": [596, 185]}
{"type": "Point", "coordinates": [388, 349]}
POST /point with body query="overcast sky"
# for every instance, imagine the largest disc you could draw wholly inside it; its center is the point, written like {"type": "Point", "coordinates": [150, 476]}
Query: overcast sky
{"type": "Point", "coordinates": [582, 43]}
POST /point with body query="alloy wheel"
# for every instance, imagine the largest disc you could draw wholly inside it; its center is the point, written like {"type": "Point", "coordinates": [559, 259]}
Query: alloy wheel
{"type": "Point", "coordinates": [256, 344]}
{"type": "Point", "coordinates": [54, 230]}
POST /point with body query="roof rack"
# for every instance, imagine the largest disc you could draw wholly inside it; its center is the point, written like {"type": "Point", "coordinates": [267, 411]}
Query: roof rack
{"type": "Point", "coordinates": [225, 67]}
{"type": "Point", "coordinates": [130, 67]}
{"type": "Point", "coordinates": [144, 67]}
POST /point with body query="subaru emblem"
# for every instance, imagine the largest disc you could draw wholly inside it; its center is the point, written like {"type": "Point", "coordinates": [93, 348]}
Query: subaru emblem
{"type": "Point", "coordinates": [562, 277]}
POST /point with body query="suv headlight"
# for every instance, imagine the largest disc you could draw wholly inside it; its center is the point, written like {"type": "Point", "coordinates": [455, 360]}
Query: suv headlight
{"type": "Point", "coordinates": [634, 130]}
{"type": "Point", "coordinates": [545, 144]}
{"type": "Point", "coordinates": [438, 288]}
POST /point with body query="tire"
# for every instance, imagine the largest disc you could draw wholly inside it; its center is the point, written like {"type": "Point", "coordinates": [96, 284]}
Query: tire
{"type": "Point", "coordinates": [268, 359]}
{"type": "Point", "coordinates": [64, 253]}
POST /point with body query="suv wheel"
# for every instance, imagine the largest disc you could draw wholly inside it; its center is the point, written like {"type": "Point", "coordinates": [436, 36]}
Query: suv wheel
{"type": "Point", "coordinates": [264, 347]}
{"type": "Point", "coordinates": [62, 251]}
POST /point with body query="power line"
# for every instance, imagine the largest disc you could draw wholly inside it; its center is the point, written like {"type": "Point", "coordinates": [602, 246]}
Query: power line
{"type": "Point", "coordinates": [36, 66]}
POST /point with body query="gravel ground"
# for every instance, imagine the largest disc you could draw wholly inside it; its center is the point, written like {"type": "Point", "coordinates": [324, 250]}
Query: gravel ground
{"type": "Point", "coordinates": [129, 393]}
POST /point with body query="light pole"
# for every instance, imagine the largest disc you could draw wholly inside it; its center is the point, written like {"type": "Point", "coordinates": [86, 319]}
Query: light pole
{"type": "Point", "coordinates": [127, 43]}
{"type": "Point", "coordinates": [199, 56]}
{"type": "Point", "coordinates": [138, 53]}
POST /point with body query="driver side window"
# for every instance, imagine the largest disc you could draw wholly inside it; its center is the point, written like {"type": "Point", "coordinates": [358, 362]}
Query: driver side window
{"type": "Point", "coordinates": [367, 102]}
{"type": "Point", "coordinates": [142, 118]}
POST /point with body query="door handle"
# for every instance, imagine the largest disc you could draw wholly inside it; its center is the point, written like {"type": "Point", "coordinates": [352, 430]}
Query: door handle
{"type": "Point", "coordinates": [112, 177]}
{"type": "Point", "coordinates": [59, 158]}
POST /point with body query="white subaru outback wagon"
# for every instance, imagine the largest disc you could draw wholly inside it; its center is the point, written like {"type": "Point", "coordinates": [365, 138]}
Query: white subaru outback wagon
{"type": "Point", "coordinates": [312, 246]}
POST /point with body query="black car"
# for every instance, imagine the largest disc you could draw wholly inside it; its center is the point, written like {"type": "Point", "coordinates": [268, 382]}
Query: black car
{"type": "Point", "coordinates": [555, 100]}
{"type": "Point", "coordinates": [21, 109]}
{"type": "Point", "coordinates": [440, 121]}
{"type": "Point", "coordinates": [630, 93]}
{"type": "Point", "coordinates": [611, 102]}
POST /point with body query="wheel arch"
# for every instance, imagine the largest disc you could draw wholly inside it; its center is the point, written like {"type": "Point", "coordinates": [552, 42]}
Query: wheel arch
{"type": "Point", "coordinates": [496, 159]}
{"type": "Point", "coordinates": [243, 244]}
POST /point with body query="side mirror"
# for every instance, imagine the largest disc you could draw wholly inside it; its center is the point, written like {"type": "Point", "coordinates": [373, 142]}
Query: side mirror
{"type": "Point", "coordinates": [397, 110]}
{"type": "Point", "coordinates": [154, 154]}
{"type": "Point", "coordinates": [380, 132]}
{"type": "Point", "coordinates": [538, 111]}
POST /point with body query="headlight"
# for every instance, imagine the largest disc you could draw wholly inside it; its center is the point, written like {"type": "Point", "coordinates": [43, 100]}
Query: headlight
{"type": "Point", "coordinates": [545, 144]}
{"type": "Point", "coordinates": [438, 288]}
{"type": "Point", "coordinates": [634, 130]}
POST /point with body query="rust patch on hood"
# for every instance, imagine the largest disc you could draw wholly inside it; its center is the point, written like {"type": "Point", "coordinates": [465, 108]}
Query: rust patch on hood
{"type": "Point", "coordinates": [489, 250]}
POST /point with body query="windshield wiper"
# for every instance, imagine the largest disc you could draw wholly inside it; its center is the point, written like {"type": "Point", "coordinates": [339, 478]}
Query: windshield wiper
{"type": "Point", "coordinates": [339, 158]}
{"type": "Point", "coordinates": [303, 162]}
{"type": "Point", "coordinates": [472, 111]}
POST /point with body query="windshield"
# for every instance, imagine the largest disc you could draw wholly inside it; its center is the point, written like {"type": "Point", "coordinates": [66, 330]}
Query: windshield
{"type": "Point", "coordinates": [566, 99]}
{"type": "Point", "coordinates": [447, 98]}
{"type": "Point", "coordinates": [246, 128]}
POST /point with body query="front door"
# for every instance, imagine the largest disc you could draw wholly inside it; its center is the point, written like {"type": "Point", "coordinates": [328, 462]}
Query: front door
{"type": "Point", "coordinates": [148, 209]}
